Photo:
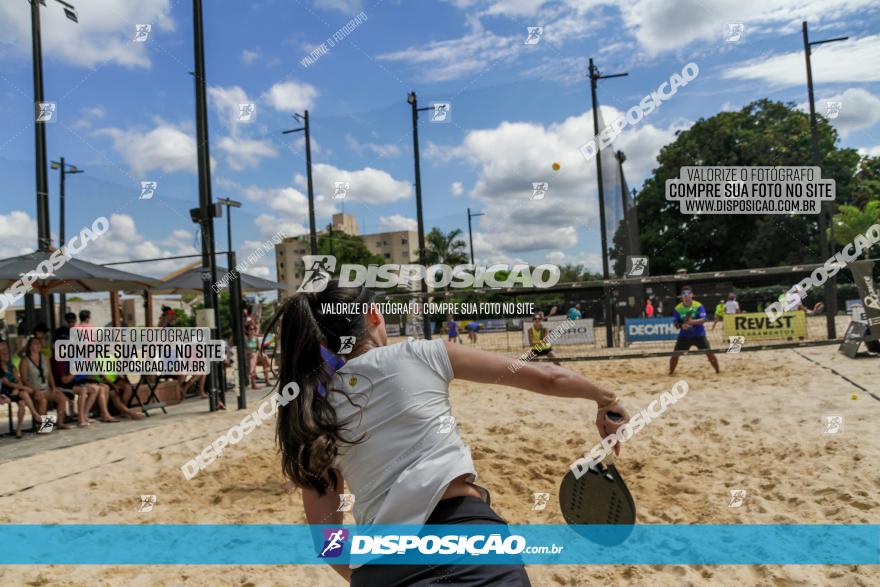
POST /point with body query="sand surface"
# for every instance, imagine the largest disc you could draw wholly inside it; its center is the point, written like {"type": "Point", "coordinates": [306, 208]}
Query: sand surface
{"type": "Point", "coordinates": [758, 426]}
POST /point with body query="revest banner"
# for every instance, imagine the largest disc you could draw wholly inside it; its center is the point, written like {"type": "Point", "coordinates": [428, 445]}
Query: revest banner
{"type": "Point", "coordinates": [758, 326]}
{"type": "Point", "coordinates": [643, 329]}
{"type": "Point", "coordinates": [565, 332]}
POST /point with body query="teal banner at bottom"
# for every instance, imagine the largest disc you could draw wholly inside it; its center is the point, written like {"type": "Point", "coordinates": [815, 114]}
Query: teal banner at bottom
{"type": "Point", "coordinates": [540, 544]}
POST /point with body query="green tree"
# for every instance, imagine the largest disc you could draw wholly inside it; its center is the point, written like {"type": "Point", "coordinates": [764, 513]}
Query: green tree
{"type": "Point", "coordinates": [762, 133]}
{"type": "Point", "coordinates": [867, 181]}
{"type": "Point", "coordinates": [445, 248]}
{"type": "Point", "coordinates": [851, 221]}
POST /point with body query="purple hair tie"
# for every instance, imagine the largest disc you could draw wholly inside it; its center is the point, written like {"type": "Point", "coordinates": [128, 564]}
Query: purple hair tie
{"type": "Point", "coordinates": [332, 363]}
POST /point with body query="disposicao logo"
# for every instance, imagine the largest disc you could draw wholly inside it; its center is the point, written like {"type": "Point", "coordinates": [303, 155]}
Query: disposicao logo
{"type": "Point", "coordinates": [334, 542]}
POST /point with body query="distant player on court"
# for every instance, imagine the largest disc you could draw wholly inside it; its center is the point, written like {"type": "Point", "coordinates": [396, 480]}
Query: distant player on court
{"type": "Point", "coordinates": [538, 336]}
{"type": "Point", "coordinates": [473, 328]}
{"type": "Point", "coordinates": [719, 314]}
{"type": "Point", "coordinates": [452, 329]}
{"type": "Point", "coordinates": [690, 317]}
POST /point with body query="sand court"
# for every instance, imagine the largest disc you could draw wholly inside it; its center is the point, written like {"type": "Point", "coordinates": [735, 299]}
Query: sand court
{"type": "Point", "coordinates": [757, 429]}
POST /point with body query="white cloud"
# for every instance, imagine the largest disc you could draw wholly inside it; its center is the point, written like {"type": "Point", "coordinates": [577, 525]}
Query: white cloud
{"type": "Point", "coordinates": [380, 150]}
{"type": "Point", "coordinates": [396, 222]}
{"type": "Point", "coordinates": [244, 153]}
{"type": "Point", "coordinates": [240, 151]}
{"type": "Point", "coordinates": [846, 61]}
{"type": "Point", "coordinates": [291, 96]}
{"type": "Point", "coordinates": [513, 155]}
{"type": "Point", "coordinates": [123, 241]}
{"type": "Point", "coordinates": [663, 26]}
{"type": "Point", "coordinates": [457, 188]}
{"type": "Point", "coordinates": [248, 56]}
{"type": "Point", "coordinates": [858, 109]}
{"type": "Point", "coordinates": [18, 233]}
{"type": "Point", "coordinates": [166, 148]}
{"type": "Point", "coordinates": [369, 185]}
{"type": "Point", "coordinates": [870, 151]}
{"type": "Point", "coordinates": [454, 58]}
{"type": "Point", "coordinates": [591, 261]}
{"type": "Point", "coordinates": [104, 32]}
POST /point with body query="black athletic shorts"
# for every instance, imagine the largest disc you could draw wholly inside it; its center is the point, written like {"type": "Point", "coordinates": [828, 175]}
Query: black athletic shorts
{"type": "Point", "coordinates": [542, 352]}
{"type": "Point", "coordinates": [455, 510]}
{"type": "Point", "coordinates": [685, 343]}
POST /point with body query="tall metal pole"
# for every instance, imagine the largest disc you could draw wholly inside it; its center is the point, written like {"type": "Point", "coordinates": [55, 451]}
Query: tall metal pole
{"type": "Point", "coordinates": [470, 232]}
{"type": "Point", "coordinates": [237, 325]}
{"type": "Point", "coordinates": [312, 230]}
{"type": "Point", "coordinates": [421, 225]}
{"type": "Point", "coordinates": [825, 244]}
{"type": "Point", "coordinates": [62, 299]}
{"type": "Point", "coordinates": [609, 334]}
{"type": "Point", "coordinates": [205, 200]}
{"type": "Point", "coordinates": [42, 180]}
{"type": "Point", "coordinates": [471, 236]}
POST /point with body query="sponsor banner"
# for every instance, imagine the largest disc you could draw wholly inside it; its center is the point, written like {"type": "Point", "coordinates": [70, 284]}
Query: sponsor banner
{"type": "Point", "coordinates": [758, 326]}
{"type": "Point", "coordinates": [642, 329]}
{"type": "Point", "coordinates": [863, 274]}
{"type": "Point", "coordinates": [851, 303]}
{"type": "Point", "coordinates": [575, 332]}
{"type": "Point", "coordinates": [302, 544]}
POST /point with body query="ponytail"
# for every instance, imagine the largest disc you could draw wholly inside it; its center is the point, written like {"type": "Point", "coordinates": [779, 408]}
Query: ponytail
{"type": "Point", "coordinates": [308, 431]}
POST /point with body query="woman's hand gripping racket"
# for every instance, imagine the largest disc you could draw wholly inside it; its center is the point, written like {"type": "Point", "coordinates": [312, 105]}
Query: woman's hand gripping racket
{"type": "Point", "coordinates": [599, 496]}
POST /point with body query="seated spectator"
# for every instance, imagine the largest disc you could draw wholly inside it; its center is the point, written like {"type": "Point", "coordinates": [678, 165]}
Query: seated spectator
{"type": "Point", "coordinates": [15, 391]}
{"type": "Point", "coordinates": [88, 390]}
{"type": "Point", "coordinates": [118, 388]}
{"type": "Point", "coordinates": [37, 375]}
{"type": "Point", "coordinates": [85, 319]}
{"type": "Point", "coordinates": [41, 332]}
{"type": "Point", "coordinates": [63, 332]}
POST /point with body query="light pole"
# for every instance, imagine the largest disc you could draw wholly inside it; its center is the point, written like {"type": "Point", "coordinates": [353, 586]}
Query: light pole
{"type": "Point", "coordinates": [236, 323]}
{"type": "Point", "coordinates": [65, 169]}
{"type": "Point", "coordinates": [44, 230]}
{"type": "Point", "coordinates": [470, 232]}
{"type": "Point", "coordinates": [304, 119]}
{"type": "Point", "coordinates": [411, 98]}
{"type": "Point", "coordinates": [595, 76]}
{"type": "Point", "coordinates": [825, 243]}
{"type": "Point", "coordinates": [206, 210]}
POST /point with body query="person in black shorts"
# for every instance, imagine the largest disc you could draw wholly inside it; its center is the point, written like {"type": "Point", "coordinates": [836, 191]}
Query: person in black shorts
{"type": "Point", "coordinates": [690, 319]}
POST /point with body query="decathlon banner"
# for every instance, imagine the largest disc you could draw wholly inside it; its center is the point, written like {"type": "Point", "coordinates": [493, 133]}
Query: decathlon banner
{"type": "Point", "coordinates": [642, 329]}
{"type": "Point", "coordinates": [538, 544]}
{"type": "Point", "coordinates": [564, 332]}
{"type": "Point", "coordinates": [758, 326]}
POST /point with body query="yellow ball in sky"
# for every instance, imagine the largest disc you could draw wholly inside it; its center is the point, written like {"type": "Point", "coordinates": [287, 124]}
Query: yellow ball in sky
{"type": "Point", "coordinates": [556, 167]}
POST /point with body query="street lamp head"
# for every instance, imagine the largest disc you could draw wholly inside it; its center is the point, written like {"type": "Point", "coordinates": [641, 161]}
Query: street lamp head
{"type": "Point", "coordinates": [55, 165]}
{"type": "Point", "coordinates": [411, 98]}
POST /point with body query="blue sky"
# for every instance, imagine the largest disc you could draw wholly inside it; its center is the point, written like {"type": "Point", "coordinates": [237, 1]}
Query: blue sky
{"type": "Point", "coordinates": [125, 110]}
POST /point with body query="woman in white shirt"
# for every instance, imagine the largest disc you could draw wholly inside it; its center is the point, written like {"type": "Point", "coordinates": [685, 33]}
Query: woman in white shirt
{"type": "Point", "coordinates": [382, 423]}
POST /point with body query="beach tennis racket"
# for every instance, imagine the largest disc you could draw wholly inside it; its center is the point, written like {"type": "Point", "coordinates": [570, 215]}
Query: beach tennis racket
{"type": "Point", "coordinates": [598, 497]}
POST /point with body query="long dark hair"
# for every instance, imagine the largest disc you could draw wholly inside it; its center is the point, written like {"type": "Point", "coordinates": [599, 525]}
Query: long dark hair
{"type": "Point", "coordinates": [308, 430]}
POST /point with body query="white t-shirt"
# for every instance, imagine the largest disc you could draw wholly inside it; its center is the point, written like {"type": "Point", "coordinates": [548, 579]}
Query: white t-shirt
{"type": "Point", "coordinates": [411, 449]}
{"type": "Point", "coordinates": [731, 307]}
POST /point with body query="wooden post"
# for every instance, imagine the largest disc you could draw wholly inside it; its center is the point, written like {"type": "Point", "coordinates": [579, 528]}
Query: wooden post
{"type": "Point", "coordinates": [148, 308]}
{"type": "Point", "coordinates": [114, 308]}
